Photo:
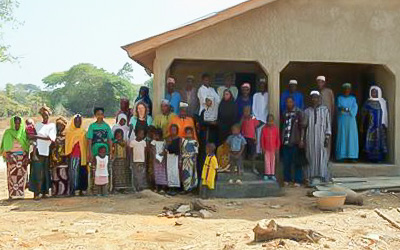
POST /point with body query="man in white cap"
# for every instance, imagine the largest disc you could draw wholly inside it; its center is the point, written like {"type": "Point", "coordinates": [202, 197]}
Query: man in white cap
{"type": "Point", "coordinates": [327, 96]}
{"type": "Point", "coordinates": [316, 137]}
{"type": "Point", "coordinates": [260, 108]}
{"type": "Point", "coordinates": [228, 85]}
{"type": "Point", "coordinates": [205, 91]}
{"type": "Point", "coordinates": [189, 96]}
{"type": "Point", "coordinates": [294, 94]}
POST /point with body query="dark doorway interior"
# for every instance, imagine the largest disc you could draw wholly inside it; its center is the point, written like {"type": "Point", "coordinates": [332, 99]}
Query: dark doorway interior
{"type": "Point", "coordinates": [241, 78]}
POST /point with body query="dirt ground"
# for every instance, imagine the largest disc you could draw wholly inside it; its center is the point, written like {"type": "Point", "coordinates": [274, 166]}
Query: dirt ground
{"type": "Point", "coordinates": [130, 222]}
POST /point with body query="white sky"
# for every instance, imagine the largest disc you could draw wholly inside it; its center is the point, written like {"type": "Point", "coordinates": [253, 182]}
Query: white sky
{"type": "Point", "coordinates": [56, 35]}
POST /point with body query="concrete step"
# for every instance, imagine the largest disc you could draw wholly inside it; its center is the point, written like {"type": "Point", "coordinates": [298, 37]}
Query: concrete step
{"type": "Point", "coordinates": [246, 176]}
{"type": "Point", "coordinates": [363, 170]}
{"type": "Point", "coordinates": [248, 189]}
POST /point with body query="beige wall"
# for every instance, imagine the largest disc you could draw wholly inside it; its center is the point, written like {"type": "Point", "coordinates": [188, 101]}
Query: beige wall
{"type": "Point", "coordinates": [353, 31]}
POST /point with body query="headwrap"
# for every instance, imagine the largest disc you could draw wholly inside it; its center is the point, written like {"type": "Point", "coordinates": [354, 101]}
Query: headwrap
{"type": "Point", "coordinates": [246, 85]}
{"type": "Point", "coordinates": [165, 102]}
{"type": "Point", "coordinates": [315, 92]}
{"type": "Point", "coordinates": [145, 98]}
{"type": "Point", "coordinates": [183, 105]}
{"type": "Point", "coordinates": [124, 128]}
{"type": "Point", "coordinates": [76, 135]}
{"type": "Point", "coordinates": [44, 109]}
{"type": "Point", "coordinates": [190, 77]}
{"type": "Point", "coordinates": [294, 82]}
{"type": "Point", "coordinates": [62, 121]}
{"type": "Point", "coordinates": [382, 102]}
{"type": "Point", "coordinates": [346, 85]}
{"type": "Point", "coordinates": [170, 80]}
{"type": "Point", "coordinates": [7, 142]}
{"type": "Point", "coordinates": [321, 78]}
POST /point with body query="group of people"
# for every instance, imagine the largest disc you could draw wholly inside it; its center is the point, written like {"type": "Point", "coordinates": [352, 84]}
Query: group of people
{"type": "Point", "coordinates": [198, 132]}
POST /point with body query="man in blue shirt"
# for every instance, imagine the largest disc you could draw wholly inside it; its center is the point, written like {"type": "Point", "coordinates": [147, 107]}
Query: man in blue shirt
{"type": "Point", "coordinates": [296, 96]}
{"type": "Point", "coordinates": [173, 96]}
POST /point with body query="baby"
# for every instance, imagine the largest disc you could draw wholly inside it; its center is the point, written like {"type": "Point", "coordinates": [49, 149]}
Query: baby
{"type": "Point", "coordinates": [31, 131]}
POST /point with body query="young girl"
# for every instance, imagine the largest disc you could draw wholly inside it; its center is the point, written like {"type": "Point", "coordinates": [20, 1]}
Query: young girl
{"type": "Point", "coordinates": [173, 148]}
{"type": "Point", "coordinates": [270, 144]}
{"type": "Point", "coordinates": [249, 128]}
{"type": "Point", "coordinates": [209, 171]}
{"type": "Point", "coordinates": [158, 150]}
{"type": "Point", "coordinates": [121, 176]}
{"type": "Point", "coordinates": [139, 170]}
{"type": "Point", "coordinates": [101, 172]}
{"type": "Point", "coordinates": [189, 149]}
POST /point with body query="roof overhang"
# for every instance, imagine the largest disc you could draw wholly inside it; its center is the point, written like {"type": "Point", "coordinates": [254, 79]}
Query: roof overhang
{"type": "Point", "coordinates": [144, 52]}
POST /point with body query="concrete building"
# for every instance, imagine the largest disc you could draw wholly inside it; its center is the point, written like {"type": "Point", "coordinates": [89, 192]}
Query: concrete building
{"type": "Point", "coordinates": [355, 41]}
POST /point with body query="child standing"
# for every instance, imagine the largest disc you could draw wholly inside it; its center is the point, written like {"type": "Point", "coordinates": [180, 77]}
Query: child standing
{"type": "Point", "coordinates": [173, 148]}
{"type": "Point", "coordinates": [270, 144]}
{"type": "Point", "coordinates": [249, 128]}
{"type": "Point", "coordinates": [209, 171]}
{"type": "Point", "coordinates": [101, 172]}
{"type": "Point", "coordinates": [236, 144]}
{"type": "Point", "coordinates": [158, 146]}
{"type": "Point", "coordinates": [121, 174]}
{"type": "Point", "coordinates": [139, 170]}
{"type": "Point", "coordinates": [31, 132]}
{"type": "Point", "coordinates": [189, 150]}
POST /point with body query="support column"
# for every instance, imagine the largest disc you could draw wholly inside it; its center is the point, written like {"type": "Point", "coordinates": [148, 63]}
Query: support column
{"type": "Point", "coordinates": [158, 85]}
{"type": "Point", "coordinates": [274, 93]}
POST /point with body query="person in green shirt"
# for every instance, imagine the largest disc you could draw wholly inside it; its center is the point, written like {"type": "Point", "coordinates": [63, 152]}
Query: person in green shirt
{"type": "Point", "coordinates": [99, 134]}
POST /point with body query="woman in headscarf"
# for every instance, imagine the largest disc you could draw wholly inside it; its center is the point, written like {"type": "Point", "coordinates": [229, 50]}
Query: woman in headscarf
{"type": "Point", "coordinates": [122, 121]}
{"type": "Point", "coordinates": [14, 149]}
{"type": "Point", "coordinates": [124, 108]}
{"type": "Point", "coordinates": [39, 179]}
{"type": "Point", "coordinates": [145, 97]}
{"type": "Point", "coordinates": [58, 162]}
{"type": "Point", "coordinates": [163, 120]}
{"type": "Point", "coordinates": [141, 119]}
{"type": "Point", "coordinates": [227, 115]}
{"type": "Point", "coordinates": [76, 150]}
{"type": "Point", "coordinates": [374, 124]}
{"type": "Point", "coordinates": [347, 132]}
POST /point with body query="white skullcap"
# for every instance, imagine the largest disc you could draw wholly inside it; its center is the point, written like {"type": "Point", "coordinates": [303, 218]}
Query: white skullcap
{"type": "Point", "coordinates": [183, 105]}
{"type": "Point", "coordinates": [314, 92]}
{"type": "Point", "coordinates": [293, 82]}
{"type": "Point", "coordinates": [322, 78]}
{"type": "Point", "coordinates": [165, 102]}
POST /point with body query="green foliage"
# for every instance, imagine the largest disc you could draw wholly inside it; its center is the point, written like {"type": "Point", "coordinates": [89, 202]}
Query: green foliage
{"type": "Point", "coordinates": [85, 86]}
{"type": "Point", "coordinates": [7, 8]}
{"type": "Point", "coordinates": [9, 107]}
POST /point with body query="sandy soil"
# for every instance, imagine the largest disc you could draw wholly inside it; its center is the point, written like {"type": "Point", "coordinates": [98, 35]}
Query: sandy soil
{"type": "Point", "coordinates": [131, 222]}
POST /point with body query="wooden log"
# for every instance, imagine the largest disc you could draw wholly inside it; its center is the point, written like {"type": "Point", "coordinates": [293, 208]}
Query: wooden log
{"type": "Point", "coordinates": [388, 219]}
{"type": "Point", "coordinates": [269, 231]}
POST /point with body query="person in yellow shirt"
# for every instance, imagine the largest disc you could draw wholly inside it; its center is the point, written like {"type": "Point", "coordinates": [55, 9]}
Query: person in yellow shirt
{"type": "Point", "coordinates": [209, 171]}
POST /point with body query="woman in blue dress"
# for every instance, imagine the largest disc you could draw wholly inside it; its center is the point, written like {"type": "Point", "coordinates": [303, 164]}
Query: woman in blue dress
{"type": "Point", "coordinates": [374, 125]}
{"type": "Point", "coordinates": [347, 133]}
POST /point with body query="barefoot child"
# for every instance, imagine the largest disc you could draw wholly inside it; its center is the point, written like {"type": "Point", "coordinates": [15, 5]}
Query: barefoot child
{"type": "Point", "coordinates": [270, 144]}
{"type": "Point", "coordinates": [138, 146]}
{"type": "Point", "coordinates": [236, 144]}
{"type": "Point", "coordinates": [158, 150]}
{"type": "Point", "coordinates": [249, 128]}
{"type": "Point", "coordinates": [101, 172]}
{"type": "Point", "coordinates": [121, 176]}
{"type": "Point", "coordinates": [173, 148]}
{"type": "Point", "coordinates": [209, 171]}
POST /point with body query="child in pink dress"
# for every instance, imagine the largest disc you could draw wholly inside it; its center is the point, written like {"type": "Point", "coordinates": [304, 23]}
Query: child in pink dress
{"type": "Point", "coordinates": [270, 144]}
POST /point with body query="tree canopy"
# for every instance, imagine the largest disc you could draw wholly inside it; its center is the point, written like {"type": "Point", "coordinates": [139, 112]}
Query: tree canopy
{"type": "Point", "coordinates": [84, 86]}
{"type": "Point", "coordinates": [7, 8]}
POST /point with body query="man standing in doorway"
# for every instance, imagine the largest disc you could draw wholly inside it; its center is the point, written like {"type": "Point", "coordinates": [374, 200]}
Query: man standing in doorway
{"type": "Point", "coordinates": [228, 85]}
{"type": "Point", "coordinates": [294, 94]}
{"type": "Point", "coordinates": [206, 91]}
{"type": "Point", "coordinates": [189, 96]}
{"type": "Point", "coordinates": [172, 96]}
{"type": "Point", "coordinates": [260, 108]}
{"type": "Point", "coordinates": [327, 96]}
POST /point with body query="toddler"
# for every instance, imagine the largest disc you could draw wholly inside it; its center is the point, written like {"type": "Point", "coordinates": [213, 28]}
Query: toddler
{"type": "Point", "coordinates": [101, 172]}
{"type": "Point", "coordinates": [209, 172]}
{"type": "Point", "coordinates": [236, 144]}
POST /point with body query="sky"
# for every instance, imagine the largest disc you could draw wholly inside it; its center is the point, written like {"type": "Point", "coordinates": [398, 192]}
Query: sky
{"type": "Point", "coordinates": [55, 35]}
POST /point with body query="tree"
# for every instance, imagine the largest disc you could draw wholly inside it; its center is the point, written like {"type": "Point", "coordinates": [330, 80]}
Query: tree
{"type": "Point", "coordinates": [126, 72]}
{"type": "Point", "coordinates": [85, 86]}
{"type": "Point", "coordinates": [10, 90]}
{"type": "Point", "coordinates": [7, 8]}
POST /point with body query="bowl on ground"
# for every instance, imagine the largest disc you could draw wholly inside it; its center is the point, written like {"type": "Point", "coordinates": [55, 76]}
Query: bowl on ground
{"type": "Point", "coordinates": [327, 200]}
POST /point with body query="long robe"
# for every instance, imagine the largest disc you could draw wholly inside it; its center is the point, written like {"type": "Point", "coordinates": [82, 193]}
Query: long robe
{"type": "Point", "coordinates": [318, 124]}
{"type": "Point", "coordinates": [375, 136]}
{"type": "Point", "coordinates": [189, 150]}
{"type": "Point", "coordinates": [347, 133]}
